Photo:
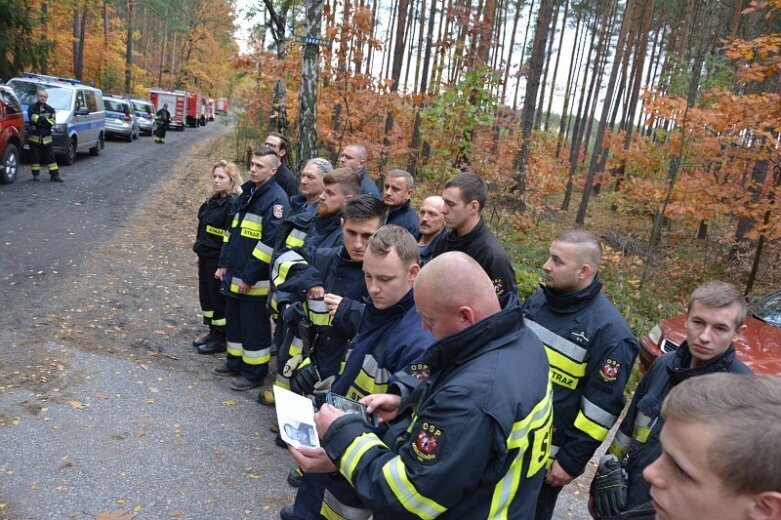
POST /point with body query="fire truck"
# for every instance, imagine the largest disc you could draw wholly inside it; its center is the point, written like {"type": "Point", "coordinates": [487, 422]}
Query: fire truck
{"type": "Point", "coordinates": [176, 101]}
{"type": "Point", "coordinates": [196, 107]}
{"type": "Point", "coordinates": [210, 109]}
{"type": "Point", "coordinates": [222, 105]}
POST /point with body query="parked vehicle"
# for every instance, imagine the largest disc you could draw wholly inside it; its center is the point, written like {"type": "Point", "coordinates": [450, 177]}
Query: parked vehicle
{"type": "Point", "coordinates": [11, 134]}
{"type": "Point", "coordinates": [145, 113]}
{"type": "Point", "coordinates": [176, 105]}
{"type": "Point", "coordinates": [759, 346]}
{"type": "Point", "coordinates": [210, 109]}
{"type": "Point", "coordinates": [194, 109]}
{"type": "Point", "coordinates": [222, 105]}
{"type": "Point", "coordinates": [80, 122]}
{"type": "Point", "coordinates": [120, 119]}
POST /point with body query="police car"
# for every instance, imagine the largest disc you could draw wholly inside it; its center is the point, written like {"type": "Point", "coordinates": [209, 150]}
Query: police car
{"type": "Point", "coordinates": [80, 122]}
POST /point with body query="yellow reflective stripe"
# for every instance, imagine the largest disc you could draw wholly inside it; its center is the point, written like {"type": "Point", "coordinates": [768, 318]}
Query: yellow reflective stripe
{"type": "Point", "coordinates": [234, 348]}
{"type": "Point", "coordinates": [333, 509]}
{"type": "Point", "coordinates": [642, 427]}
{"type": "Point", "coordinates": [235, 222]}
{"type": "Point", "coordinates": [317, 312]}
{"type": "Point", "coordinates": [593, 429]}
{"type": "Point", "coordinates": [219, 323]}
{"type": "Point", "coordinates": [259, 289]}
{"type": "Point", "coordinates": [226, 238]}
{"type": "Point", "coordinates": [215, 231]}
{"type": "Point", "coordinates": [46, 140]}
{"type": "Point", "coordinates": [282, 266]}
{"type": "Point", "coordinates": [371, 379]}
{"type": "Point", "coordinates": [563, 345]}
{"type": "Point", "coordinates": [256, 357]}
{"type": "Point", "coordinates": [530, 436]}
{"type": "Point", "coordinates": [262, 252]}
{"type": "Point", "coordinates": [250, 233]}
{"type": "Point", "coordinates": [565, 364]}
{"type": "Point", "coordinates": [296, 346]}
{"type": "Point", "coordinates": [597, 414]}
{"type": "Point", "coordinates": [208, 314]}
{"type": "Point", "coordinates": [620, 445]}
{"type": "Point", "coordinates": [352, 455]}
{"type": "Point", "coordinates": [35, 117]}
{"type": "Point", "coordinates": [413, 501]}
{"type": "Point", "coordinates": [295, 238]}
{"type": "Point", "coordinates": [282, 382]}
{"type": "Point", "coordinates": [253, 222]}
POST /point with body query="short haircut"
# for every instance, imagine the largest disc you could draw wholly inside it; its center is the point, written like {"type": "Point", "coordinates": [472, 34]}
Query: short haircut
{"type": "Point", "coordinates": [232, 171]}
{"type": "Point", "coordinates": [362, 153]}
{"type": "Point", "coordinates": [472, 188]}
{"type": "Point", "coordinates": [744, 412]}
{"type": "Point", "coordinates": [395, 237]}
{"type": "Point", "coordinates": [408, 179]}
{"type": "Point", "coordinates": [264, 151]}
{"type": "Point", "coordinates": [365, 207]}
{"type": "Point", "coordinates": [324, 165]}
{"type": "Point", "coordinates": [587, 245]}
{"type": "Point", "coordinates": [346, 178]}
{"type": "Point", "coordinates": [284, 144]}
{"type": "Point", "coordinates": [720, 294]}
{"type": "Point", "coordinates": [41, 90]}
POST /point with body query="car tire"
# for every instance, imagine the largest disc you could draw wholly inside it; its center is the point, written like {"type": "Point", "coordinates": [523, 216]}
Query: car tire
{"type": "Point", "coordinates": [95, 150]}
{"type": "Point", "coordinates": [70, 155]}
{"type": "Point", "coordinates": [10, 164]}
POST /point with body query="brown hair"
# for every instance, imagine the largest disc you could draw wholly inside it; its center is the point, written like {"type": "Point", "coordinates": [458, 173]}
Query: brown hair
{"type": "Point", "coordinates": [395, 237]}
{"type": "Point", "coordinates": [346, 178]}
{"type": "Point", "coordinates": [232, 171]}
{"type": "Point", "coordinates": [744, 411]}
{"type": "Point", "coordinates": [720, 294]}
{"type": "Point", "coordinates": [587, 246]}
{"type": "Point", "coordinates": [472, 188]}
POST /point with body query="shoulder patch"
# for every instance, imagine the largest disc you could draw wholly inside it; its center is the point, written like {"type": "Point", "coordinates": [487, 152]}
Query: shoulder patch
{"type": "Point", "coordinates": [428, 443]}
{"type": "Point", "coordinates": [420, 371]}
{"type": "Point", "coordinates": [498, 286]}
{"type": "Point", "coordinates": [609, 371]}
{"type": "Point", "coordinates": [278, 210]}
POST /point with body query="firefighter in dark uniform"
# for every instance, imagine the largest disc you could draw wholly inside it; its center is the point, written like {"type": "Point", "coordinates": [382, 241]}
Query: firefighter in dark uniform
{"type": "Point", "coordinates": [163, 118]}
{"type": "Point", "coordinates": [714, 319]}
{"type": "Point", "coordinates": [471, 437]}
{"type": "Point", "coordinates": [214, 218]}
{"type": "Point", "coordinates": [42, 119]}
{"type": "Point", "coordinates": [244, 271]}
{"type": "Point", "coordinates": [591, 350]}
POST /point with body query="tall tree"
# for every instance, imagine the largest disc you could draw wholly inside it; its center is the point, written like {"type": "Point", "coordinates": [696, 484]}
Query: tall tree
{"type": "Point", "coordinates": [306, 127]}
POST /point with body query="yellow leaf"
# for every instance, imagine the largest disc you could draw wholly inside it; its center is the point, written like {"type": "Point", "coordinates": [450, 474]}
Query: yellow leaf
{"type": "Point", "coordinates": [77, 405]}
{"type": "Point", "coordinates": [230, 402]}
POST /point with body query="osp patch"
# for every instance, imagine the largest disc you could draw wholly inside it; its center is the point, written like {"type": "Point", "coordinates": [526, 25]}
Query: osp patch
{"type": "Point", "coordinates": [498, 286]}
{"type": "Point", "coordinates": [278, 210]}
{"type": "Point", "coordinates": [609, 371]}
{"type": "Point", "coordinates": [420, 371]}
{"type": "Point", "coordinates": [428, 443]}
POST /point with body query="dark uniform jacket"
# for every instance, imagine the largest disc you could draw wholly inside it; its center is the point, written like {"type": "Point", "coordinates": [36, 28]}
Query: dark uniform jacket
{"type": "Point", "coordinates": [368, 186]}
{"type": "Point", "coordinates": [163, 117]}
{"type": "Point", "coordinates": [390, 340]}
{"type": "Point", "coordinates": [405, 217]}
{"type": "Point", "coordinates": [591, 350]}
{"type": "Point", "coordinates": [638, 436]}
{"type": "Point", "coordinates": [299, 270]}
{"type": "Point", "coordinates": [479, 438]}
{"type": "Point", "coordinates": [214, 218]}
{"type": "Point", "coordinates": [427, 252]}
{"type": "Point", "coordinates": [247, 253]}
{"type": "Point", "coordinates": [42, 119]}
{"type": "Point", "coordinates": [484, 247]}
{"type": "Point", "coordinates": [286, 180]}
{"type": "Point", "coordinates": [325, 232]}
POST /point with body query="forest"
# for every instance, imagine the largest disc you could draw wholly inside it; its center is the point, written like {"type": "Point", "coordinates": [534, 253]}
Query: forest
{"type": "Point", "coordinates": [654, 123]}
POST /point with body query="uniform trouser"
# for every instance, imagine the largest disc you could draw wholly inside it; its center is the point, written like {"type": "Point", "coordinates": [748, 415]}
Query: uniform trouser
{"type": "Point", "coordinates": [248, 331]}
{"type": "Point", "coordinates": [43, 154]}
{"type": "Point", "coordinates": [320, 491]}
{"type": "Point", "coordinates": [212, 302]}
{"type": "Point", "coordinates": [160, 133]}
{"type": "Point", "coordinates": [546, 502]}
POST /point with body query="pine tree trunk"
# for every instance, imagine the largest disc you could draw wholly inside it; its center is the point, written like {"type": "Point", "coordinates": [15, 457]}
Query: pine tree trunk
{"type": "Point", "coordinates": [131, 5]}
{"type": "Point", "coordinates": [523, 56]}
{"type": "Point", "coordinates": [548, 54]}
{"type": "Point", "coordinates": [306, 125]}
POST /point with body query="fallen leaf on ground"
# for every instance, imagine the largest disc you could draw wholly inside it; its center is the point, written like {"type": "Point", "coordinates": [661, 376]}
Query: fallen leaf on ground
{"type": "Point", "coordinates": [230, 402]}
{"type": "Point", "coordinates": [77, 405]}
{"type": "Point", "coordinates": [117, 514]}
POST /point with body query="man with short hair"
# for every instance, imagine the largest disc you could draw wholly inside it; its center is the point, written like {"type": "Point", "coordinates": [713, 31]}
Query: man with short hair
{"type": "Point", "coordinates": [432, 227]}
{"type": "Point", "coordinates": [715, 318]}
{"type": "Point", "coordinates": [397, 191]}
{"type": "Point", "coordinates": [720, 453]}
{"type": "Point", "coordinates": [163, 120]}
{"type": "Point", "coordinates": [390, 339]}
{"type": "Point", "coordinates": [472, 433]}
{"type": "Point", "coordinates": [243, 268]}
{"type": "Point", "coordinates": [465, 196]}
{"type": "Point", "coordinates": [284, 177]}
{"type": "Point", "coordinates": [591, 350]}
{"type": "Point", "coordinates": [354, 156]}
{"type": "Point", "coordinates": [339, 186]}
{"type": "Point", "coordinates": [42, 119]}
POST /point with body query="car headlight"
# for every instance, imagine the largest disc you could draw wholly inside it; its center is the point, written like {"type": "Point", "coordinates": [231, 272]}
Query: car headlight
{"type": "Point", "coordinates": [60, 129]}
{"type": "Point", "coordinates": [655, 334]}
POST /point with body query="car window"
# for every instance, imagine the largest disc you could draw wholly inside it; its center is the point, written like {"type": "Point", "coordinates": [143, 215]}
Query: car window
{"type": "Point", "coordinates": [80, 103]}
{"type": "Point", "coordinates": [92, 101]}
{"type": "Point", "coordinates": [59, 98]}
{"type": "Point", "coordinates": [115, 106]}
{"type": "Point", "coordinates": [25, 91]}
{"type": "Point", "coordinates": [12, 105]}
{"type": "Point", "coordinates": [769, 309]}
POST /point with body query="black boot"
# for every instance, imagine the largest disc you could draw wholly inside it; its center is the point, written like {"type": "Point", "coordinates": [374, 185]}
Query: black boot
{"type": "Point", "coordinates": [216, 344]}
{"type": "Point", "coordinates": [204, 339]}
{"type": "Point", "coordinates": [56, 178]}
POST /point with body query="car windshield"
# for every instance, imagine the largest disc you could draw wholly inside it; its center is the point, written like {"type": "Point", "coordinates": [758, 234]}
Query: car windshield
{"type": "Point", "coordinates": [26, 91]}
{"type": "Point", "coordinates": [115, 106]}
{"type": "Point", "coordinates": [142, 107]}
{"type": "Point", "coordinates": [768, 309]}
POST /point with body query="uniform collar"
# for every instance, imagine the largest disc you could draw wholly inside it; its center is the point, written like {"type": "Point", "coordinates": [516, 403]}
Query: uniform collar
{"type": "Point", "coordinates": [565, 303]}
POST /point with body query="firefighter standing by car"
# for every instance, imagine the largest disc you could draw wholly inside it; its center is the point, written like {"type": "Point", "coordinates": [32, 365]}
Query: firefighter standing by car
{"type": "Point", "coordinates": [42, 118]}
{"type": "Point", "coordinates": [163, 118]}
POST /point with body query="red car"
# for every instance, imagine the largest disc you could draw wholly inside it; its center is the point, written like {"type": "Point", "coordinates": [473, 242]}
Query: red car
{"type": "Point", "coordinates": [759, 346]}
{"type": "Point", "coordinates": [11, 134]}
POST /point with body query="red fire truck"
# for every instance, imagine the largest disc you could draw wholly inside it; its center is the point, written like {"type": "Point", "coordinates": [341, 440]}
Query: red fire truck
{"type": "Point", "coordinates": [176, 105]}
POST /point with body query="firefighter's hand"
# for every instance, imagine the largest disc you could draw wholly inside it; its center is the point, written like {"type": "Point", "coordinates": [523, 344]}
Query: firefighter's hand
{"type": "Point", "coordinates": [556, 476]}
{"type": "Point", "coordinates": [385, 406]}
{"type": "Point", "coordinates": [196, 261]}
{"type": "Point", "coordinates": [325, 417]}
{"type": "Point", "coordinates": [243, 287]}
{"type": "Point", "coordinates": [220, 273]}
{"type": "Point", "coordinates": [332, 302]}
{"type": "Point", "coordinates": [316, 292]}
{"type": "Point", "coordinates": [312, 460]}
